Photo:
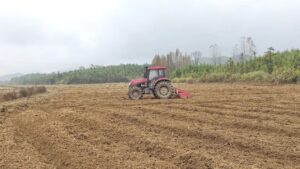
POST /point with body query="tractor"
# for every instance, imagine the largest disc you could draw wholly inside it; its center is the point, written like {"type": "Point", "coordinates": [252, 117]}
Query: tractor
{"type": "Point", "coordinates": [155, 82]}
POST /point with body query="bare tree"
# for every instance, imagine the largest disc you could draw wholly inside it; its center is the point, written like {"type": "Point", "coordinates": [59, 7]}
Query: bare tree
{"type": "Point", "coordinates": [172, 60]}
{"type": "Point", "coordinates": [236, 53]}
{"type": "Point", "coordinates": [196, 57]}
{"type": "Point", "coordinates": [247, 49]}
{"type": "Point", "coordinates": [251, 48]}
{"type": "Point", "coordinates": [156, 60]}
{"type": "Point", "coordinates": [215, 53]}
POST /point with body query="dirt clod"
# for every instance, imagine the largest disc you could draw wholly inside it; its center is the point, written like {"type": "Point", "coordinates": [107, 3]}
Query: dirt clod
{"type": "Point", "coordinates": [3, 109]}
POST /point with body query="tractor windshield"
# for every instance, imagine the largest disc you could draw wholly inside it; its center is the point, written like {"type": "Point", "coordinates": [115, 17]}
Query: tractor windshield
{"type": "Point", "coordinates": [156, 73]}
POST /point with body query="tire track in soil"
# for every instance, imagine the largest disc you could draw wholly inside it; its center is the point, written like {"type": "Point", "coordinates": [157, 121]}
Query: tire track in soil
{"type": "Point", "coordinates": [139, 142]}
{"type": "Point", "coordinates": [203, 122]}
{"type": "Point", "coordinates": [280, 126]}
{"type": "Point", "coordinates": [17, 153]}
{"type": "Point", "coordinates": [190, 114]}
{"type": "Point", "coordinates": [277, 105]}
{"type": "Point", "coordinates": [53, 141]}
{"type": "Point", "coordinates": [265, 110]}
{"type": "Point", "coordinates": [210, 137]}
{"type": "Point", "coordinates": [214, 141]}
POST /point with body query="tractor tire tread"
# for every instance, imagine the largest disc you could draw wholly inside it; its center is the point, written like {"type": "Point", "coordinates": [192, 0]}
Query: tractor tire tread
{"type": "Point", "coordinates": [167, 84]}
{"type": "Point", "coordinates": [132, 89]}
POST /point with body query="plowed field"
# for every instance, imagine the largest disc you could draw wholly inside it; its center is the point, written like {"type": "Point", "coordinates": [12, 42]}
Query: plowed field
{"type": "Point", "coordinates": [96, 126]}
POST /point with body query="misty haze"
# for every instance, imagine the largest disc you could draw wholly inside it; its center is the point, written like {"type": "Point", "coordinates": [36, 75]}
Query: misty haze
{"type": "Point", "coordinates": [50, 36]}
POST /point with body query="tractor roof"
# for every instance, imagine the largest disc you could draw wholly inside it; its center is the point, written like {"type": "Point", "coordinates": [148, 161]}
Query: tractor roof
{"type": "Point", "coordinates": [156, 67]}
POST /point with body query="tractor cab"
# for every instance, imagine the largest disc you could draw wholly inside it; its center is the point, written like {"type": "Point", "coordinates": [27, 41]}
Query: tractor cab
{"type": "Point", "coordinates": [153, 73]}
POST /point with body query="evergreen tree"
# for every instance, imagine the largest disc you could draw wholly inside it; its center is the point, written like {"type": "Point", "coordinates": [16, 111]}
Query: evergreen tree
{"type": "Point", "coordinates": [268, 59]}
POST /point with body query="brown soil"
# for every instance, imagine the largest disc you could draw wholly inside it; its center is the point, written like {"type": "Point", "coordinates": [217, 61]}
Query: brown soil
{"type": "Point", "coordinates": [96, 126]}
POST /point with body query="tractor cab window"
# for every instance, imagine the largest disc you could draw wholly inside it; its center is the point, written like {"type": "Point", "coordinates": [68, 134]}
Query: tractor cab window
{"type": "Point", "coordinates": [161, 73]}
{"type": "Point", "coordinates": [153, 74]}
{"type": "Point", "coordinates": [156, 73]}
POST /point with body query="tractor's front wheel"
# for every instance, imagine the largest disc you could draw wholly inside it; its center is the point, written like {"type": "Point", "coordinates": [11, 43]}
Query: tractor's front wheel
{"type": "Point", "coordinates": [135, 93]}
{"type": "Point", "coordinates": [164, 90]}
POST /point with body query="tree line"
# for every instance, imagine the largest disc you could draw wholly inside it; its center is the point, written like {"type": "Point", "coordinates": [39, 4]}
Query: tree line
{"type": "Point", "coordinates": [93, 74]}
{"type": "Point", "coordinates": [172, 61]}
{"type": "Point", "coordinates": [277, 67]}
{"type": "Point", "coordinates": [245, 50]}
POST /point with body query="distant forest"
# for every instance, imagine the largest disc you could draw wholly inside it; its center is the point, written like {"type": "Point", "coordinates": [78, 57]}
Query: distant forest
{"type": "Point", "coordinates": [243, 65]}
{"type": "Point", "coordinates": [93, 74]}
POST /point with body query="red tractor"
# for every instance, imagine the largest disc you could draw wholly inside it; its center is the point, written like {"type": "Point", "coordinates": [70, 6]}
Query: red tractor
{"type": "Point", "coordinates": [155, 82]}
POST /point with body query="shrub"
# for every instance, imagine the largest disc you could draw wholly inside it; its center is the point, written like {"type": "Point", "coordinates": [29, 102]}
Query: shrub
{"type": "Point", "coordinates": [214, 77]}
{"type": "Point", "coordinates": [23, 92]}
{"type": "Point", "coordinates": [41, 89]}
{"type": "Point", "coordinates": [235, 77]}
{"type": "Point", "coordinates": [256, 76]}
{"type": "Point", "coordinates": [298, 76]}
{"type": "Point", "coordinates": [179, 80]}
{"type": "Point", "coordinates": [190, 80]}
{"type": "Point", "coordinates": [10, 96]}
{"type": "Point", "coordinates": [286, 76]}
{"type": "Point", "coordinates": [27, 92]}
{"type": "Point", "coordinates": [175, 80]}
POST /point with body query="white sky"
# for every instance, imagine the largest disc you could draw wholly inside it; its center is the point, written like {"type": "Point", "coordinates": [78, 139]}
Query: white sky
{"type": "Point", "coordinates": [57, 35]}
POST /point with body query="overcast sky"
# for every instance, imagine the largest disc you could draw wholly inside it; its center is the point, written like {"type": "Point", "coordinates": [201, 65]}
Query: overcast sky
{"type": "Point", "coordinates": [58, 35]}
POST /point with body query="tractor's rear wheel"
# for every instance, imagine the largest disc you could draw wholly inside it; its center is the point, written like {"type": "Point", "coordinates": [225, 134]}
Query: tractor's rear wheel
{"type": "Point", "coordinates": [164, 90]}
{"type": "Point", "coordinates": [135, 93]}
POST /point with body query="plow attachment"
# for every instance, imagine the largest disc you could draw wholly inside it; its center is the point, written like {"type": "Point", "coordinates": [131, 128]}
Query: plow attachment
{"type": "Point", "coordinates": [182, 94]}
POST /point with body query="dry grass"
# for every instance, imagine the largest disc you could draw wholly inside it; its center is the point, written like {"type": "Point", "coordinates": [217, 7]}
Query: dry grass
{"type": "Point", "coordinates": [10, 96]}
{"type": "Point", "coordinates": [22, 92]}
